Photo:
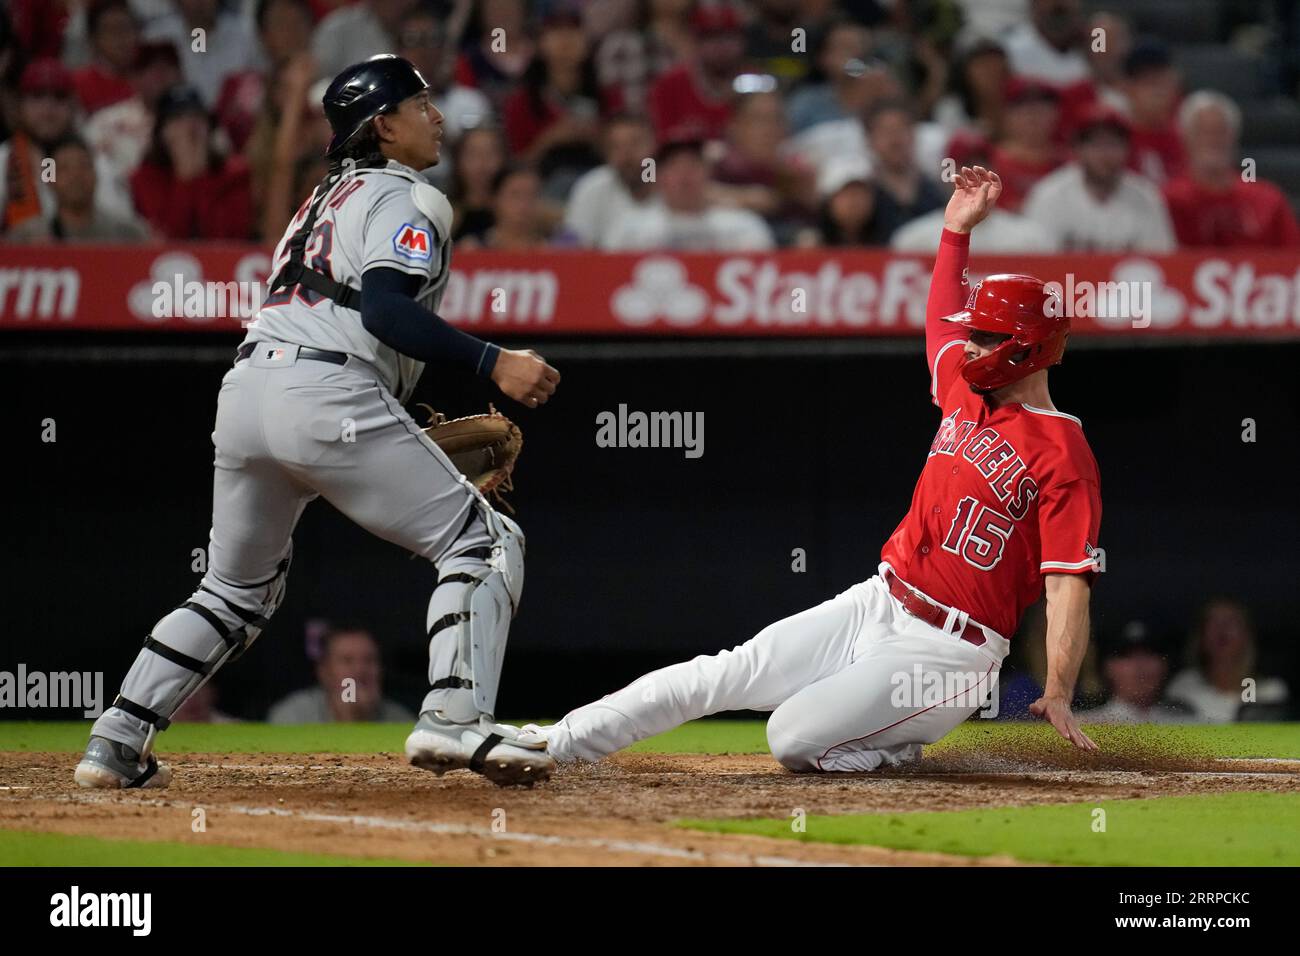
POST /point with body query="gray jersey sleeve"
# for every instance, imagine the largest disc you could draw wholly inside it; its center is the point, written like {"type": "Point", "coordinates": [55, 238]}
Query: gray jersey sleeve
{"type": "Point", "coordinates": [399, 236]}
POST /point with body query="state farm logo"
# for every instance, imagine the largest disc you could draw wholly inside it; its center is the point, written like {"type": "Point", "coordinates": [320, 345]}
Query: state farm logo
{"type": "Point", "coordinates": [1165, 305]}
{"type": "Point", "coordinates": [768, 293]}
{"type": "Point", "coordinates": [1227, 294]}
{"type": "Point", "coordinates": [1217, 295]}
{"type": "Point", "coordinates": [515, 297]}
{"type": "Point", "coordinates": [660, 288]}
{"type": "Point", "coordinates": [40, 293]}
{"type": "Point", "coordinates": [807, 295]}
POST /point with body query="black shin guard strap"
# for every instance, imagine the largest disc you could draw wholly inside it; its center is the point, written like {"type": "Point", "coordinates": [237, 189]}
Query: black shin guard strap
{"type": "Point", "coordinates": [150, 769]}
{"type": "Point", "coordinates": [479, 760]}
{"type": "Point", "coordinates": [141, 712]}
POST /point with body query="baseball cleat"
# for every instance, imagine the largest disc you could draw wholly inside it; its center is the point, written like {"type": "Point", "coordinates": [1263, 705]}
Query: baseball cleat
{"type": "Point", "coordinates": [110, 765]}
{"type": "Point", "coordinates": [500, 753]}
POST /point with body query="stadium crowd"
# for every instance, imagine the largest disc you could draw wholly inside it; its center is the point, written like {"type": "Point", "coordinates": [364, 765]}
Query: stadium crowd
{"type": "Point", "coordinates": [633, 124]}
{"type": "Point", "coordinates": [1142, 672]}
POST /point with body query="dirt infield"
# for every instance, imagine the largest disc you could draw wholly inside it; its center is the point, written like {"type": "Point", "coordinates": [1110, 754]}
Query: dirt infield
{"type": "Point", "coordinates": [615, 813]}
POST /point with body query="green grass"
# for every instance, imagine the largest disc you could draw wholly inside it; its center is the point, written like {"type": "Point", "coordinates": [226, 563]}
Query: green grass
{"type": "Point", "coordinates": [1224, 829]}
{"type": "Point", "coordinates": [1230, 829]}
{"type": "Point", "coordinates": [709, 737]}
{"type": "Point", "coordinates": [701, 736]}
{"type": "Point", "coordinates": [1185, 740]}
{"type": "Point", "coordinates": [18, 848]}
{"type": "Point", "coordinates": [1230, 740]}
{"type": "Point", "coordinates": [221, 738]}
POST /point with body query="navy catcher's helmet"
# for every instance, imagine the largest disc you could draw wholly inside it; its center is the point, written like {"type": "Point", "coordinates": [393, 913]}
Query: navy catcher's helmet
{"type": "Point", "coordinates": [363, 91]}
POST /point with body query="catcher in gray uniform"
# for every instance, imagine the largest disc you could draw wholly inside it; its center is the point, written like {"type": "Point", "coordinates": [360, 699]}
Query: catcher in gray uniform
{"type": "Point", "coordinates": [313, 407]}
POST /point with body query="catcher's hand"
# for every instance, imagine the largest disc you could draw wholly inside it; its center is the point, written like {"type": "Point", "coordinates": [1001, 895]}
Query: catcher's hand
{"type": "Point", "coordinates": [483, 447]}
{"type": "Point", "coordinates": [523, 375]}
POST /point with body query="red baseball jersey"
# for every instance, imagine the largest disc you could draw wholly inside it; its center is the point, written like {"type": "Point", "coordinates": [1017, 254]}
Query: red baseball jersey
{"type": "Point", "coordinates": [1007, 494]}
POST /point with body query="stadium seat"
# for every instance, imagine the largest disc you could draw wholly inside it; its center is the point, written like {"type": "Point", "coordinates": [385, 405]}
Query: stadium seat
{"type": "Point", "coordinates": [1184, 21]}
{"type": "Point", "coordinates": [1243, 76]}
{"type": "Point", "coordinates": [1273, 122]}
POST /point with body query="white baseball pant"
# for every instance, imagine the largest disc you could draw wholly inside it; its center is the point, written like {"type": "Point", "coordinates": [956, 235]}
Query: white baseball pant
{"type": "Point", "coordinates": [853, 683]}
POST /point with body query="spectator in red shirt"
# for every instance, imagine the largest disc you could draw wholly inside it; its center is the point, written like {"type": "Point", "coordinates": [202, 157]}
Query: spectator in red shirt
{"type": "Point", "coordinates": [656, 39]}
{"type": "Point", "coordinates": [120, 133]}
{"type": "Point", "coordinates": [114, 40]}
{"type": "Point", "coordinates": [1152, 88]}
{"type": "Point", "coordinates": [1215, 204]}
{"type": "Point", "coordinates": [698, 94]}
{"type": "Point", "coordinates": [1027, 150]}
{"type": "Point", "coordinates": [185, 188]}
{"type": "Point", "coordinates": [552, 121]}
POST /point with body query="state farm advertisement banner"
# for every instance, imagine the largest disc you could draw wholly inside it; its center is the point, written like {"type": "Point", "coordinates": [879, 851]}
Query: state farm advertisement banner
{"type": "Point", "coordinates": [218, 288]}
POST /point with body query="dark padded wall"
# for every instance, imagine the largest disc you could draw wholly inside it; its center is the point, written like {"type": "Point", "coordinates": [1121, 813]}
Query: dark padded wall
{"type": "Point", "coordinates": [638, 557]}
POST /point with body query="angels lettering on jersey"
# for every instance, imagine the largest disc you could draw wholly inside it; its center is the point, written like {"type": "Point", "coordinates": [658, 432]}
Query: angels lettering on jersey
{"type": "Point", "coordinates": [995, 458]}
{"type": "Point", "coordinates": [1008, 493]}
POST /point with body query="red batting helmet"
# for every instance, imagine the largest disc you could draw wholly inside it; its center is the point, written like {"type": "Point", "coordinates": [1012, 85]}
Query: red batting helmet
{"type": "Point", "coordinates": [1023, 308]}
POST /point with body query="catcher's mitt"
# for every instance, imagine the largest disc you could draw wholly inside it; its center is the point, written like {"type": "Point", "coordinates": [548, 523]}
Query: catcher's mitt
{"type": "Point", "coordinates": [483, 447]}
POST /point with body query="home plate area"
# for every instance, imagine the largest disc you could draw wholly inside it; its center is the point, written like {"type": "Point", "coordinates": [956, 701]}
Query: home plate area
{"type": "Point", "coordinates": [633, 809]}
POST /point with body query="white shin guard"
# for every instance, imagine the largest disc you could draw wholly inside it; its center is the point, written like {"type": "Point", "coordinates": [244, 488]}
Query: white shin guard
{"type": "Point", "coordinates": [185, 648]}
{"type": "Point", "coordinates": [468, 622]}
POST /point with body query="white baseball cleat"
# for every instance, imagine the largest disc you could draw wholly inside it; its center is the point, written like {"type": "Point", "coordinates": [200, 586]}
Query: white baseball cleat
{"type": "Point", "coordinates": [109, 765]}
{"type": "Point", "coordinates": [505, 755]}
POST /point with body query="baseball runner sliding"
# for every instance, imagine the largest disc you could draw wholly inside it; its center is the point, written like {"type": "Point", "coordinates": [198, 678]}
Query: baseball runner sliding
{"type": "Point", "coordinates": [1008, 505]}
{"type": "Point", "coordinates": [313, 408]}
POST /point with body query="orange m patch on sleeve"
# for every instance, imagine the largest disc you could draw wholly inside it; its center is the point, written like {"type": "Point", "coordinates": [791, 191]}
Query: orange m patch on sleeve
{"type": "Point", "coordinates": [412, 242]}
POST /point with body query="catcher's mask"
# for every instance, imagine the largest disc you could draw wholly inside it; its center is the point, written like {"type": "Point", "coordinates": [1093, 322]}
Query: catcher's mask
{"type": "Point", "coordinates": [1023, 308]}
{"type": "Point", "coordinates": [363, 91]}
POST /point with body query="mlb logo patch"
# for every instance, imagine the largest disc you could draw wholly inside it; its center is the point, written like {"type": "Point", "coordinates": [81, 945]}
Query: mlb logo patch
{"type": "Point", "coordinates": [274, 355]}
{"type": "Point", "coordinates": [413, 243]}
